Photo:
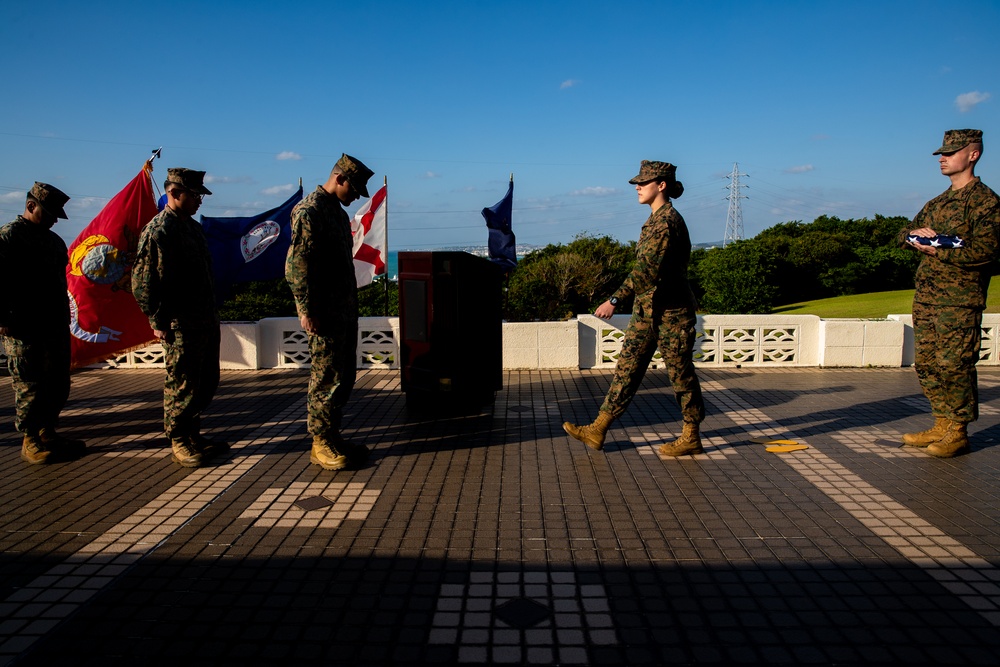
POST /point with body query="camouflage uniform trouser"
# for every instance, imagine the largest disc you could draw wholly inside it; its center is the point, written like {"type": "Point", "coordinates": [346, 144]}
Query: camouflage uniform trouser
{"type": "Point", "coordinates": [39, 371]}
{"type": "Point", "coordinates": [673, 331]}
{"type": "Point", "coordinates": [946, 349]}
{"type": "Point", "coordinates": [334, 370]}
{"type": "Point", "coordinates": [192, 361]}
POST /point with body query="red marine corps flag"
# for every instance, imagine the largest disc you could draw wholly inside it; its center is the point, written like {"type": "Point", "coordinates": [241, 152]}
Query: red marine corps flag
{"type": "Point", "coordinates": [104, 318]}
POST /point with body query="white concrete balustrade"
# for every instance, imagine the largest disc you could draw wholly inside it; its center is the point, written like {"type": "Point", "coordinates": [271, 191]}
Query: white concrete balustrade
{"type": "Point", "coordinates": [590, 342]}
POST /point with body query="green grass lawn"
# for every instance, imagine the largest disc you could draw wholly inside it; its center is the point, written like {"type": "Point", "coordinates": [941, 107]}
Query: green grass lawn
{"type": "Point", "coordinates": [873, 304]}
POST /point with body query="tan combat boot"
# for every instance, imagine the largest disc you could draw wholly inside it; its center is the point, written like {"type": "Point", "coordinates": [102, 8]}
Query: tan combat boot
{"type": "Point", "coordinates": [688, 443]}
{"type": "Point", "coordinates": [954, 442]}
{"type": "Point", "coordinates": [324, 454]}
{"type": "Point", "coordinates": [591, 435]}
{"type": "Point", "coordinates": [185, 452]}
{"type": "Point", "coordinates": [924, 438]}
{"type": "Point", "coordinates": [33, 450]}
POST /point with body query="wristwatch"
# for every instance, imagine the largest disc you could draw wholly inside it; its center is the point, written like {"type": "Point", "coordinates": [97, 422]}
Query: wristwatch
{"type": "Point", "coordinates": [613, 301]}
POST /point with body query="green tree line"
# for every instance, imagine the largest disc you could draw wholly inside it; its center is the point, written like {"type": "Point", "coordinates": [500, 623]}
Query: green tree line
{"type": "Point", "coordinates": [254, 301]}
{"type": "Point", "coordinates": [787, 263]}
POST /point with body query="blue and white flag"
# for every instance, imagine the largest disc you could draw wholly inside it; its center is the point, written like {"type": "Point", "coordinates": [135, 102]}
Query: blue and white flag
{"type": "Point", "coordinates": [245, 249]}
{"type": "Point", "coordinates": [939, 241]}
{"type": "Point", "coordinates": [503, 248]}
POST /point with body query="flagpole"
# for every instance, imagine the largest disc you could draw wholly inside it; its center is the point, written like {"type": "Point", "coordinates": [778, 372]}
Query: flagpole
{"type": "Point", "coordinates": [506, 274]}
{"type": "Point", "coordinates": [385, 184]}
{"type": "Point", "coordinates": [148, 168]}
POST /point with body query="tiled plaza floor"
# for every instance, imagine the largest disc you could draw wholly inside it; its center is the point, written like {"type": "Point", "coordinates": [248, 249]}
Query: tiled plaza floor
{"type": "Point", "coordinates": [494, 539]}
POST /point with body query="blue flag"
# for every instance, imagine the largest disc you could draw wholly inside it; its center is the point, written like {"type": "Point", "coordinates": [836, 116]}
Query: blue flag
{"type": "Point", "coordinates": [503, 249]}
{"type": "Point", "coordinates": [245, 249]}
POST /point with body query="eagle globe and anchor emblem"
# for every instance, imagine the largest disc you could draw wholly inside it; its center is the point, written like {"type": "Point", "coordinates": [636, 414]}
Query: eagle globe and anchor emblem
{"type": "Point", "coordinates": [100, 262]}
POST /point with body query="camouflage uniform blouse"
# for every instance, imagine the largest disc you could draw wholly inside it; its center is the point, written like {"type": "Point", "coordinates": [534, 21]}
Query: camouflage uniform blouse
{"type": "Point", "coordinates": [959, 276]}
{"type": "Point", "coordinates": [659, 276]}
{"type": "Point", "coordinates": [172, 276]}
{"type": "Point", "coordinates": [33, 262]}
{"type": "Point", "coordinates": [320, 262]}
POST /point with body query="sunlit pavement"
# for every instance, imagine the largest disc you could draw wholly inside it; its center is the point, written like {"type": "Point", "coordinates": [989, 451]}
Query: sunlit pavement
{"type": "Point", "coordinates": [494, 539]}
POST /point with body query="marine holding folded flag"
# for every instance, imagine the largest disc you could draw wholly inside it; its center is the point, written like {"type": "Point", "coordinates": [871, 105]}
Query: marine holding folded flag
{"type": "Point", "coordinates": [320, 270]}
{"type": "Point", "coordinates": [172, 283]}
{"type": "Point", "coordinates": [958, 233]}
{"type": "Point", "coordinates": [34, 324]}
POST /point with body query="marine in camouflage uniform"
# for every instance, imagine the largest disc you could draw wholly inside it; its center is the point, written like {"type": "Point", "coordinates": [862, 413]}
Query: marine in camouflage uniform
{"type": "Point", "coordinates": [951, 286]}
{"type": "Point", "coordinates": [172, 283]}
{"type": "Point", "coordinates": [319, 269]}
{"type": "Point", "coordinates": [34, 324]}
{"type": "Point", "coordinates": [663, 315]}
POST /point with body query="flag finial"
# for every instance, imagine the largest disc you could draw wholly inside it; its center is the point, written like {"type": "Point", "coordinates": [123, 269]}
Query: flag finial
{"type": "Point", "coordinates": [148, 167]}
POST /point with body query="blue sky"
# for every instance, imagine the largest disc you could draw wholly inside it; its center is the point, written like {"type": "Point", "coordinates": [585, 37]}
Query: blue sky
{"type": "Point", "coordinates": [828, 107]}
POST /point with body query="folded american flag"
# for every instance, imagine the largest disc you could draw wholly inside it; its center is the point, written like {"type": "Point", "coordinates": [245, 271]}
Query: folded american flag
{"type": "Point", "coordinates": [939, 241]}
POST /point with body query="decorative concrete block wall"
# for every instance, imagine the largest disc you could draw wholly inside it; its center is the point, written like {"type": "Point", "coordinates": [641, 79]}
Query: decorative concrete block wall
{"type": "Point", "coordinates": [757, 340]}
{"type": "Point", "coordinates": [541, 344]}
{"type": "Point", "coordinates": [590, 342]}
{"type": "Point", "coordinates": [722, 340]}
{"type": "Point", "coordinates": [239, 346]}
{"type": "Point", "coordinates": [859, 342]}
{"type": "Point", "coordinates": [989, 349]}
{"type": "Point", "coordinates": [286, 345]}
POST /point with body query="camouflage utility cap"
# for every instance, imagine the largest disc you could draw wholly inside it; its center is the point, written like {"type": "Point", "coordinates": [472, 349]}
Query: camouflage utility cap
{"type": "Point", "coordinates": [356, 172]}
{"type": "Point", "coordinates": [51, 198]}
{"type": "Point", "coordinates": [956, 140]}
{"type": "Point", "coordinates": [189, 179]}
{"type": "Point", "coordinates": [654, 171]}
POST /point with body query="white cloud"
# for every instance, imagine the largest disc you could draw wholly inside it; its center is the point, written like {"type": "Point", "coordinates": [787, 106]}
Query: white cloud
{"type": "Point", "coordinates": [87, 202]}
{"type": "Point", "coordinates": [15, 196]}
{"type": "Point", "coordinates": [430, 174]}
{"type": "Point", "coordinates": [286, 189]}
{"type": "Point", "coordinates": [966, 101]}
{"type": "Point", "coordinates": [595, 191]}
{"type": "Point", "coordinates": [288, 155]}
{"type": "Point", "coordinates": [800, 169]}
{"type": "Point", "coordinates": [211, 178]}
{"type": "Point", "coordinates": [568, 83]}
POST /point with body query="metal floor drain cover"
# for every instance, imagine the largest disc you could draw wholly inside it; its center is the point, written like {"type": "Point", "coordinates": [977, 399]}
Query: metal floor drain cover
{"type": "Point", "coordinates": [313, 503]}
{"type": "Point", "coordinates": [522, 613]}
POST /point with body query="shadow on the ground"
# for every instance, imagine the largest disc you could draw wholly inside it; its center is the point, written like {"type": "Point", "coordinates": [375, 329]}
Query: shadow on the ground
{"type": "Point", "coordinates": [339, 610]}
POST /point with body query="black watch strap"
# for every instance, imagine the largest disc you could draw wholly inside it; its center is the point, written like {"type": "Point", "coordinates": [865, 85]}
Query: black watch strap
{"type": "Point", "coordinates": [613, 301]}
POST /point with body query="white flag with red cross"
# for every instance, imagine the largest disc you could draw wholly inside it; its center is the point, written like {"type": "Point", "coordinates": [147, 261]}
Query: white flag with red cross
{"type": "Point", "coordinates": [368, 228]}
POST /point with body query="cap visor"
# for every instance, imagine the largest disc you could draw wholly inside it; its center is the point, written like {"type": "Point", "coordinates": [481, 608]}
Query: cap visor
{"type": "Point", "coordinates": [361, 190]}
{"type": "Point", "coordinates": [59, 212]}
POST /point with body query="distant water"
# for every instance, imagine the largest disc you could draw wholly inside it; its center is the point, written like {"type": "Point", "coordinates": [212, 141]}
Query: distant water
{"type": "Point", "coordinates": [393, 264]}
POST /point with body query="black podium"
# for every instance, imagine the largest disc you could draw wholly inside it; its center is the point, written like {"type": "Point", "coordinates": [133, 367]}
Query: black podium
{"type": "Point", "coordinates": [451, 335]}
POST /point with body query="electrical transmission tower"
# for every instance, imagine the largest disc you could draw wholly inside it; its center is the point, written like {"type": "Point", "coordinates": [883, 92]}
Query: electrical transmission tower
{"type": "Point", "coordinates": [734, 217]}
